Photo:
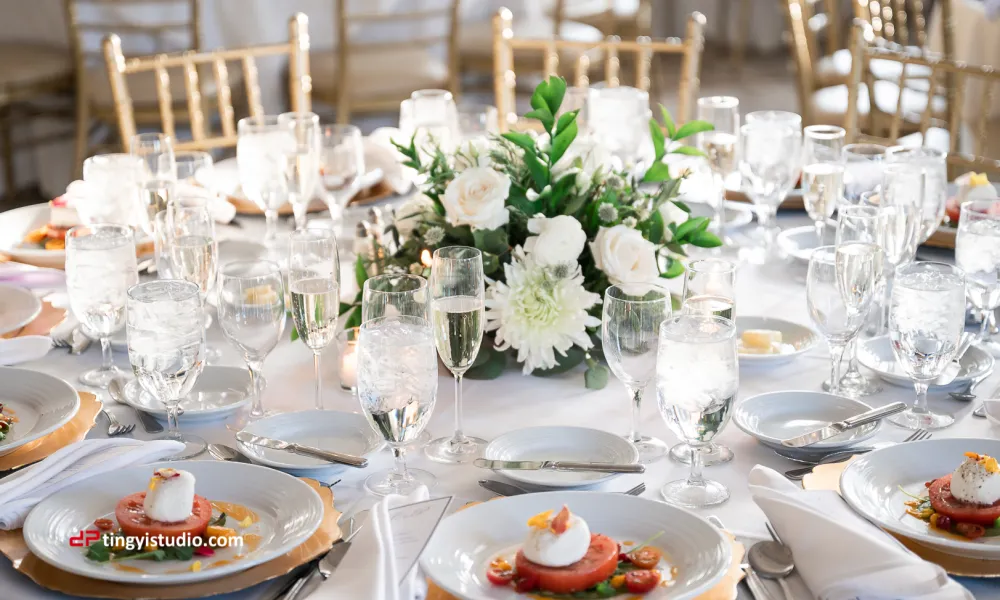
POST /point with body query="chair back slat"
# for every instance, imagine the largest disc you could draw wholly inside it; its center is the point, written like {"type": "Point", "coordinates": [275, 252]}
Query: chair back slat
{"type": "Point", "coordinates": [224, 97]}
{"type": "Point", "coordinates": [165, 101]}
{"type": "Point", "coordinates": [901, 21]}
{"type": "Point", "coordinates": [197, 115]}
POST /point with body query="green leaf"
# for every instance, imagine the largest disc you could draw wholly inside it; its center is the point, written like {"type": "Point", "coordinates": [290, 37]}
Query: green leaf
{"type": "Point", "coordinates": [98, 551]}
{"type": "Point", "coordinates": [178, 552]}
{"type": "Point", "coordinates": [344, 307]}
{"type": "Point", "coordinates": [690, 226]}
{"type": "Point", "coordinates": [522, 140]}
{"type": "Point", "coordinates": [461, 234]}
{"type": "Point", "coordinates": [705, 239]}
{"type": "Point", "coordinates": [295, 333]}
{"type": "Point", "coordinates": [542, 114]}
{"type": "Point", "coordinates": [493, 241]}
{"type": "Point", "coordinates": [518, 200]}
{"type": "Point", "coordinates": [674, 268]}
{"type": "Point", "coordinates": [655, 227]}
{"type": "Point", "coordinates": [657, 172]}
{"type": "Point", "coordinates": [659, 142]}
{"type": "Point", "coordinates": [562, 142]}
{"type": "Point", "coordinates": [555, 94]}
{"type": "Point", "coordinates": [560, 190]}
{"type": "Point", "coordinates": [156, 555]}
{"type": "Point", "coordinates": [675, 248]}
{"type": "Point", "coordinates": [668, 121]}
{"type": "Point", "coordinates": [565, 119]}
{"type": "Point", "coordinates": [539, 172]}
{"type": "Point", "coordinates": [574, 356]}
{"type": "Point", "coordinates": [360, 273]}
{"type": "Point", "coordinates": [596, 377]}
{"type": "Point", "coordinates": [490, 263]}
{"type": "Point", "coordinates": [691, 128]}
{"type": "Point", "coordinates": [219, 521]}
{"type": "Point", "coordinates": [687, 151]}
{"type": "Point", "coordinates": [537, 100]}
{"type": "Point", "coordinates": [682, 206]}
{"type": "Point", "coordinates": [355, 319]}
{"type": "Point", "coordinates": [490, 363]}
{"type": "Point", "coordinates": [574, 205]}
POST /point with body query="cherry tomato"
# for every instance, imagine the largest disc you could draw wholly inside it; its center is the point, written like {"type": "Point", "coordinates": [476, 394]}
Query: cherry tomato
{"type": "Point", "coordinates": [499, 577]}
{"type": "Point", "coordinates": [525, 583]}
{"type": "Point", "coordinates": [640, 582]}
{"type": "Point", "coordinates": [971, 530]}
{"type": "Point", "coordinates": [646, 557]}
{"type": "Point", "coordinates": [104, 524]}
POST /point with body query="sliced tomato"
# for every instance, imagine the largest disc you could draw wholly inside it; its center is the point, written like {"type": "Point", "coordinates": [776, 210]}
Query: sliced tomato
{"type": "Point", "coordinates": [646, 557]}
{"type": "Point", "coordinates": [959, 511]}
{"type": "Point", "coordinates": [525, 583]}
{"type": "Point", "coordinates": [133, 520]}
{"type": "Point", "coordinates": [640, 582]}
{"type": "Point", "coordinates": [499, 576]}
{"type": "Point", "coordinates": [970, 530]}
{"type": "Point", "coordinates": [104, 524]}
{"type": "Point", "coordinates": [597, 565]}
{"type": "Point", "coordinates": [55, 233]}
{"type": "Point", "coordinates": [953, 210]}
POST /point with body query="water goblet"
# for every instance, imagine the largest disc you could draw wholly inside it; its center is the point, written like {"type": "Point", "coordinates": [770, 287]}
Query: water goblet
{"type": "Point", "coordinates": [619, 117]}
{"type": "Point", "coordinates": [342, 163]}
{"type": "Point", "coordinates": [263, 147]}
{"type": "Point", "coordinates": [822, 173]}
{"type": "Point", "coordinates": [721, 146]}
{"type": "Point", "coordinates": [977, 252]}
{"type": "Point", "coordinates": [862, 169]}
{"type": "Point", "coordinates": [166, 346]}
{"type": "Point", "coordinates": [100, 268]}
{"type": "Point", "coordinates": [252, 316]}
{"type": "Point", "coordinates": [395, 295]}
{"type": "Point", "coordinates": [113, 181]}
{"type": "Point", "coordinates": [477, 121]}
{"type": "Point", "coordinates": [397, 388]}
{"type": "Point", "coordinates": [933, 165]}
{"type": "Point", "coordinates": [696, 382]}
{"type": "Point", "coordinates": [630, 329]}
{"type": "Point", "coordinates": [195, 167]}
{"type": "Point", "coordinates": [926, 321]}
{"type": "Point", "coordinates": [431, 116]}
{"type": "Point", "coordinates": [314, 287]}
{"type": "Point", "coordinates": [303, 162]}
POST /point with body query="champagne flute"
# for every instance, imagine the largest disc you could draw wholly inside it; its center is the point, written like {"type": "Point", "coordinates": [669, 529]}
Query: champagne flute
{"type": "Point", "coordinates": [926, 321]}
{"type": "Point", "coordinates": [977, 252]}
{"type": "Point", "coordinates": [252, 316]}
{"type": "Point", "coordinates": [193, 254]}
{"type": "Point", "coordinates": [932, 164]}
{"type": "Point", "coordinates": [314, 286]}
{"type": "Point", "coordinates": [630, 329]}
{"type": "Point", "coordinates": [900, 215]}
{"type": "Point", "coordinates": [457, 313]}
{"type": "Point", "coordinates": [100, 268]}
{"type": "Point", "coordinates": [156, 152]}
{"type": "Point", "coordinates": [303, 161]}
{"type": "Point", "coordinates": [721, 145]}
{"type": "Point", "coordinates": [822, 173]}
{"type": "Point", "coordinates": [397, 388]}
{"type": "Point", "coordinates": [696, 382]}
{"type": "Point", "coordinates": [166, 346]}
{"type": "Point", "coordinates": [262, 149]}
{"type": "Point", "coordinates": [341, 165]}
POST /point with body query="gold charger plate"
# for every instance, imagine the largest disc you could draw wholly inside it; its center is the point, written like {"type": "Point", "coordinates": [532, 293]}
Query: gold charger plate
{"type": "Point", "coordinates": [70, 433]}
{"type": "Point", "coordinates": [13, 547]}
{"type": "Point", "coordinates": [379, 191]}
{"type": "Point", "coordinates": [827, 477]}
{"type": "Point", "coordinates": [43, 323]}
{"type": "Point", "coordinates": [793, 201]}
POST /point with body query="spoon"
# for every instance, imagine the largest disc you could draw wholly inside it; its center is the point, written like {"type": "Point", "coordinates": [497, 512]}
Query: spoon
{"type": "Point", "coordinates": [117, 390]}
{"type": "Point", "coordinates": [772, 560]}
{"type": "Point", "coordinates": [224, 452]}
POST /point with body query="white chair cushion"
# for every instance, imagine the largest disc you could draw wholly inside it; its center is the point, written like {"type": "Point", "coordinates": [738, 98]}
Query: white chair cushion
{"type": "Point", "coordinates": [829, 104]}
{"type": "Point", "coordinates": [836, 69]}
{"type": "Point", "coordinates": [476, 39]}
{"type": "Point", "coordinates": [833, 69]}
{"type": "Point", "coordinates": [937, 139]}
{"type": "Point", "coordinates": [23, 64]}
{"type": "Point", "coordinates": [379, 73]}
{"type": "Point", "coordinates": [142, 86]}
{"type": "Point", "coordinates": [584, 9]}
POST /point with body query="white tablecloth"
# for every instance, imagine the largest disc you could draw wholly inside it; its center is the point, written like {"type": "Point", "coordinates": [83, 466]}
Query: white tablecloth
{"type": "Point", "coordinates": [513, 401]}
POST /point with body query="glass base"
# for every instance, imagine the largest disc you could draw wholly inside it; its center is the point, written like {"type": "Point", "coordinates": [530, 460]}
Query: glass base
{"type": "Point", "coordinates": [682, 493]}
{"type": "Point", "coordinates": [855, 386]}
{"type": "Point", "coordinates": [712, 454]}
{"type": "Point", "coordinates": [101, 378]}
{"type": "Point", "coordinates": [388, 482]}
{"type": "Point", "coordinates": [911, 419]}
{"type": "Point", "coordinates": [650, 449]}
{"type": "Point", "coordinates": [193, 445]}
{"type": "Point", "coordinates": [447, 450]}
{"type": "Point", "coordinates": [422, 440]}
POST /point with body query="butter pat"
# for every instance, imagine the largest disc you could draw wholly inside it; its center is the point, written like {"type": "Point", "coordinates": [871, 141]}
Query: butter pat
{"type": "Point", "coordinates": [760, 339]}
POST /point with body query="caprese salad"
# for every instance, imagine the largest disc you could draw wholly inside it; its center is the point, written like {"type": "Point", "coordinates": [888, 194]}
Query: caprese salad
{"type": "Point", "coordinates": [971, 186]}
{"type": "Point", "coordinates": [7, 420]}
{"type": "Point", "coordinates": [965, 502]}
{"type": "Point", "coordinates": [561, 558]}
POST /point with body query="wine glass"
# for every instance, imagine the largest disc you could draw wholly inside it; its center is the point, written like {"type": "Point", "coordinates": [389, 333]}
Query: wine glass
{"type": "Point", "coordinates": [100, 268]}
{"type": "Point", "coordinates": [342, 163]}
{"type": "Point", "coordinates": [977, 252]}
{"type": "Point", "coordinates": [630, 329]}
{"type": "Point", "coordinates": [926, 320]}
{"type": "Point", "coordinates": [822, 173]}
{"type": "Point", "coordinates": [709, 289]}
{"type": "Point", "coordinates": [156, 151]}
{"type": "Point", "coordinates": [862, 169]}
{"type": "Point", "coordinates": [303, 162]}
{"type": "Point", "coordinates": [477, 121]}
{"type": "Point", "coordinates": [113, 181]}
{"type": "Point", "coordinates": [397, 388]}
{"type": "Point", "coordinates": [457, 313]}
{"type": "Point", "coordinates": [720, 144]}
{"type": "Point", "coordinates": [771, 148]}
{"type": "Point", "coordinates": [194, 167]}
{"type": "Point", "coordinates": [432, 116]}
{"type": "Point", "coordinates": [314, 287]}
{"type": "Point", "coordinates": [395, 295]}
{"type": "Point", "coordinates": [933, 165]}
{"type": "Point", "coordinates": [619, 117]}
{"type": "Point", "coordinates": [263, 147]}
{"type": "Point", "coordinates": [166, 346]}
{"type": "Point", "coordinates": [252, 316]}
{"type": "Point", "coordinates": [696, 382]}
{"type": "Point", "coordinates": [901, 222]}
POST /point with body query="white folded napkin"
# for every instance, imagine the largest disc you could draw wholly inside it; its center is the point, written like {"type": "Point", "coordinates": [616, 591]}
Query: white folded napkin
{"type": "Point", "coordinates": [839, 554]}
{"type": "Point", "coordinates": [24, 349]}
{"type": "Point", "coordinates": [20, 492]}
{"type": "Point", "coordinates": [369, 568]}
{"type": "Point", "coordinates": [222, 210]}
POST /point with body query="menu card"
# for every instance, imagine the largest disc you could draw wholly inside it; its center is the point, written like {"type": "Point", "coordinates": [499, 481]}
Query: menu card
{"type": "Point", "coordinates": [412, 527]}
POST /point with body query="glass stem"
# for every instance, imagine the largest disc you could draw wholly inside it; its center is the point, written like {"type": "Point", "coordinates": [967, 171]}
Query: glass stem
{"type": "Point", "coordinates": [106, 363]}
{"type": "Point", "coordinates": [766, 213]}
{"type": "Point", "coordinates": [636, 393]}
{"type": "Point", "coordinates": [851, 353]}
{"type": "Point", "coordinates": [820, 226]}
{"type": "Point", "coordinates": [256, 405]}
{"type": "Point", "coordinates": [299, 209]}
{"type": "Point", "coordinates": [697, 462]}
{"type": "Point", "coordinates": [172, 410]}
{"type": "Point", "coordinates": [920, 406]}
{"type": "Point", "coordinates": [271, 231]}
{"type": "Point", "coordinates": [720, 203]}
{"type": "Point", "coordinates": [459, 437]}
{"type": "Point", "coordinates": [319, 382]}
{"type": "Point", "coordinates": [399, 455]}
{"type": "Point", "coordinates": [836, 354]}
{"type": "Point", "coordinates": [984, 327]}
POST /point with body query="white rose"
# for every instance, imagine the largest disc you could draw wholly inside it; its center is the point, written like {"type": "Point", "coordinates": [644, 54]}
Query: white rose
{"type": "Point", "coordinates": [476, 198]}
{"type": "Point", "coordinates": [474, 152]}
{"type": "Point", "coordinates": [671, 213]}
{"type": "Point", "coordinates": [627, 258]}
{"type": "Point", "coordinates": [559, 240]}
{"type": "Point", "coordinates": [411, 214]}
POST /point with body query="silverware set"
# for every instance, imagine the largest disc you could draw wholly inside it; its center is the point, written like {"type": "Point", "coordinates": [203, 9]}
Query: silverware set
{"type": "Point", "coordinates": [502, 488]}
{"type": "Point", "coordinates": [835, 457]}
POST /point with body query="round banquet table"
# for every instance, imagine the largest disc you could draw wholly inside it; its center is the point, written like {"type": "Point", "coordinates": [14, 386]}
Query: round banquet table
{"type": "Point", "coordinates": [513, 401]}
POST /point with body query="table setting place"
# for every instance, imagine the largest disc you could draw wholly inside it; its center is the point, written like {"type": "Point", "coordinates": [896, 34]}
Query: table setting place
{"type": "Point", "coordinates": [428, 381]}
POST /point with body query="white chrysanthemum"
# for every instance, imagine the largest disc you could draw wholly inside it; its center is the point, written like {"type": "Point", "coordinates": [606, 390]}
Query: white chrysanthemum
{"type": "Point", "coordinates": [434, 235]}
{"type": "Point", "coordinates": [630, 222]}
{"type": "Point", "coordinates": [538, 313]}
{"type": "Point", "coordinates": [607, 213]}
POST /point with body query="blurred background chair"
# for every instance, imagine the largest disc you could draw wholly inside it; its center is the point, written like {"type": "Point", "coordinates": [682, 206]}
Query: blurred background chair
{"type": "Point", "coordinates": [624, 18]}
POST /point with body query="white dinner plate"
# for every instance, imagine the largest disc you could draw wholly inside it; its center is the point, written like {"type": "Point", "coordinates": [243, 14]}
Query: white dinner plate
{"type": "Point", "coordinates": [18, 222]}
{"type": "Point", "coordinates": [289, 511]}
{"type": "Point", "coordinates": [775, 416]}
{"type": "Point", "coordinates": [457, 556]}
{"type": "Point", "coordinates": [799, 242]}
{"type": "Point", "coordinates": [578, 444]}
{"type": "Point", "coordinates": [219, 392]}
{"type": "Point", "coordinates": [41, 403]}
{"type": "Point", "coordinates": [876, 354]}
{"type": "Point", "coordinates": [734, 214]}
{"type": "Point", "coordinates": [344, 432]}
{"type": "Point", "coordinates": [18, 307]}
{"type": "Point", "coordinates": [801, 338]}
{"type": "Point", "coordinates": [874, 485]}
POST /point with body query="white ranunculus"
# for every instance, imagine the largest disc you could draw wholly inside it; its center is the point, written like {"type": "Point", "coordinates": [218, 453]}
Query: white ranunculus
{"type": "Point", "coordinates": [594, 158]}
{"type": "Point", "coordinates": [627, 258]}
{"type": "Point", "coordinates": [474, 152]}
{"type": "Point", "coordinates": [476, 198]}
{"type": "Point", "coordinates": [558, 240]}
{"type": "Point", "coordinates": [671, 213]}
{"type": "Point", "coordinates": [412, 213]}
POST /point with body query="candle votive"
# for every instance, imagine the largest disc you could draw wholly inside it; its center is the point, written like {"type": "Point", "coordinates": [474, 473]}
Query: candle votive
{"type": "Point", "coordinates": [347, 344]}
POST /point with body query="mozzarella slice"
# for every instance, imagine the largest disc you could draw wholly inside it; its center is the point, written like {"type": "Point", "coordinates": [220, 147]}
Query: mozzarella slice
{"type": "Point", "coordinates": [170, 496]}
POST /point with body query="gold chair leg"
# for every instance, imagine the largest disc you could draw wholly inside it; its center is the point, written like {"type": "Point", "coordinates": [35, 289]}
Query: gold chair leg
{"type": "Point", "coordinates": [82, 134]}
{"type": "Point", "coordinates": [740, 43]}
{"type": "Point", "coordinates": [7, 152]}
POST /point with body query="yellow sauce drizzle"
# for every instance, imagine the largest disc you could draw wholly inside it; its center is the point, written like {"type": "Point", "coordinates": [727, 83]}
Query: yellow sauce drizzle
{"type": "Point", "coordinates": [237, 512]}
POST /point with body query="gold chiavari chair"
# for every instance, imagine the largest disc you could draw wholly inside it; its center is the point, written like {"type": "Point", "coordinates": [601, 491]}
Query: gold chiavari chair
{"type": "Point", "coordinates": [122, 71]}
{"type": "Point", "coordinates": [624, 18]}
{"type": "Point", "coordinates": [899, 21]}
{"type": "Point", "coordinates": [969, 125]}
{"type": "Point", "coordinates": [374, 76]}
{"type": "Point", "coordinates": [643, 49]}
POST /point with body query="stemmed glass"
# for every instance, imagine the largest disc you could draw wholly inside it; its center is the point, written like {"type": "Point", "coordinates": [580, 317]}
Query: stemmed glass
{"type": "Point", "coordinates": [721, 145]}
{"type": "Point", "coordinates": [900, 222]}
{"type": "Point", "coordinates": [926, 320]}
{"type": "Point", "coordinates": [100, 268]}
{"type": "Point", "coordinates": [709, 290]}
{"type": "Point", "coordinates": [822, 173]}
{"type": "Point", "coordinates": [342, 163]}
{"type": "Point", "coordinates": [977, 252]}
{"type": "Point", "coordinates": [477, 121]}
{"type": "Point", "coordinates": [302, 162]}
{"type": "Point", "coordinates": [932, 164]}
{"type": "Point", "coordinates": [252, 315]}
{"type": "Point", "coordinates": [397, 387]}
{"type": "Point", "coordinates": [156, 151]}
{"type": "Point", "coordinates": [113, 181]}
{"type": "Point", "coordinates": [166, 346]}
{"type": "Point", "coordinates": [263, 147]}
{"type": "Point", "coordinates": [863, 169]}
{"type": "Point", "coordinates": [430, 115]}
{"type": "Point", "coordinates": [314, 286]}
{"type": "Point", "coordinates": [771, 147]}
{"type": "Point", "coordinates": [630, 329]}
{"type": "Point", "coordinates": [618, 116]}
{"type": "Point", "coordinates": [194, 167]}
{"type": "Point", "coordinates": [457, 313]}
{"type": "Point", "coordinates": [696, 382]}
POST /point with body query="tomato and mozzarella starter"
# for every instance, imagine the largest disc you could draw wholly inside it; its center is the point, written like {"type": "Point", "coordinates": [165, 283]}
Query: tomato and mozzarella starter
{"type": "Point", "coordinates": [170, 496]}
{"type": "Point", "coordinates": [977, 480]}
{"type": "Point", "coordinates": [551, 548]}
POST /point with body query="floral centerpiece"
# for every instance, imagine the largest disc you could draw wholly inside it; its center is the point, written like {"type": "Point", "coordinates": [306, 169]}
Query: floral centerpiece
{"type": "Point", "coordinates": [556, 223]}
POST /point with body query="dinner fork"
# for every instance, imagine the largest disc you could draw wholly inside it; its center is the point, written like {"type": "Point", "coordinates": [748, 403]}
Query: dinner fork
{"type": "Point", "coordinates": [115, 427]}
{"type": "Point", "coordinates": [798, 474]}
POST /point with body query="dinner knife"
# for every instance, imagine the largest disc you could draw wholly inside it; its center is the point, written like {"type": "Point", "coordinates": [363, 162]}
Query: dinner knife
{"type": "Point", "coordinates": [336, 457]}
{"type": "Point", "coordinates": [556, 465]}
{"type": "Point", "coordinates": [834, 429]}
